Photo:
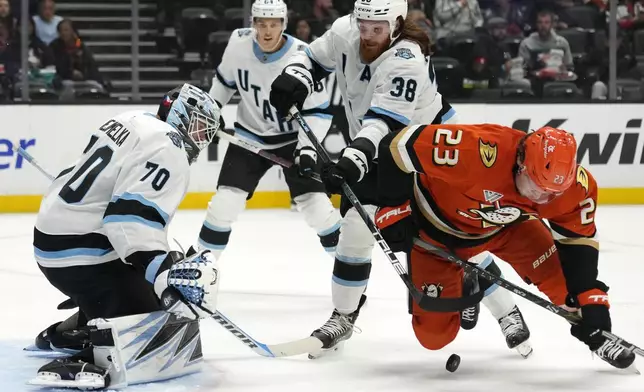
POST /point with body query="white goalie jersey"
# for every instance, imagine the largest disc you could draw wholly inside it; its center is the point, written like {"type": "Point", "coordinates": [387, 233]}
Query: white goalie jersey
{"type": "Point", "coordinates": [399, 87]}
{"type": "Point", "coordinates": [245, 68]}
{"type": "Point", "coordinates": [118, 198]}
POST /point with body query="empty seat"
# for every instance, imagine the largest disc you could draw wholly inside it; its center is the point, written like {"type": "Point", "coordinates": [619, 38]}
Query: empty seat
{"type": "Point", "coordinates": [448, 75]}
{"type": "Point", "coordinates": [234, 18]}
{"type": "Point", "coordinates": [216, 46]}
{"type": "Point", "coordinates": [584, 16]}
{"type": "Point", "coordinates": [460, 46]}
{"type": "Point", "coordinates": [196, 24]}
{"type": "Point", "coordinates": [629, 90]}
{"type": "Point", "coordinates": [486, 94]}
{"type": "Point", "coordinates": [561, 90]}
{"type": "Point", "coordinates": [517, 90]}
{"type": "Point", "coordinates": [578, 40]}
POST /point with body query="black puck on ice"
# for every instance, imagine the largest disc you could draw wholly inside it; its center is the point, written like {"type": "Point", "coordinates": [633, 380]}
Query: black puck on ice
{"type": "Point", "coordinates": [453, 363]}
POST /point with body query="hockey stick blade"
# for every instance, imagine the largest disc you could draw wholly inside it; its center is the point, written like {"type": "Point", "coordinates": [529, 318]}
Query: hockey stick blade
{"type": "Point", "coordinates": [288, 349]}
{"type": "Point", "coordinates": [424, 301]}
{"type": "Point", "coordinates": [572, 318]}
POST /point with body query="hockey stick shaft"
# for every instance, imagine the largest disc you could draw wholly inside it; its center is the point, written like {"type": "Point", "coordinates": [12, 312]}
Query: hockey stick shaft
{"type": "Point", "coordinates": [424, 301]}
{"type": "Point", "coordinates": [248, 145]}
{"type": "Point", "coordinates": [474, 269]}
{"type": "Point", "coordinates": [21, 151]}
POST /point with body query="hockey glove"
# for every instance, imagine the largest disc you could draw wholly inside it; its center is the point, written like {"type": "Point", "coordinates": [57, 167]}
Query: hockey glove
{"type": "Point", "coordinates": [306, 161]}
{"type": "Point", "coordinates": [189, 286]}
{"type": "Point", "coordinates": [291, 88]}
{"type": "Point", "coordinates": [595, 316]}
{"type": "Point", "coordinates": [350, 168]}
{"type": "Point", "coordinates": [395, 225]}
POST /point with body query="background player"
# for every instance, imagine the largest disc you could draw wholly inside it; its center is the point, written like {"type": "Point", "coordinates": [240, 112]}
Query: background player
{"type": "Point", "coordinates": [385, 75]}
{"type": "Point", "coordinates": [488, 187]}
{"type": "Point", "coordinates": [101, 239]}
{"type": "Point", "coordinates": [251, 60]}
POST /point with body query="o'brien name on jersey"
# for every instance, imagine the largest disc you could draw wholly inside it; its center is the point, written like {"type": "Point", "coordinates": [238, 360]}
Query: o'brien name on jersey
{"type": "Point", "coordinates": [116, 131]}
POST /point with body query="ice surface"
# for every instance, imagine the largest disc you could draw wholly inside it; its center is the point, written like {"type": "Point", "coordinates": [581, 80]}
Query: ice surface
{"type": "Point", "coordinates": [276, 286]}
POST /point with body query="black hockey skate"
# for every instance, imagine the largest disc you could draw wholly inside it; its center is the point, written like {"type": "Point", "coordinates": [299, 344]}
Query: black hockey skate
{"type": "Point", "coordinates": [73, 372]}
{"type": "Point", "coordinates": [616, 355]}
{"type": "Point", "coordinates": [66, 341]}
{"type": "Point", "coordinates": [336, 330]}
{"type": "Point", "coordinates": [516, 332]}
{"type": "Point", "coordinates": [470, 316]}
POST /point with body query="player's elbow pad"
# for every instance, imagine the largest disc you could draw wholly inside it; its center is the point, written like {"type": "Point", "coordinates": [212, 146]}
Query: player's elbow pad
{"type": "Point", "coordinates": [579, 265]}
{"type": "Point", "coordinates": [395, 187]}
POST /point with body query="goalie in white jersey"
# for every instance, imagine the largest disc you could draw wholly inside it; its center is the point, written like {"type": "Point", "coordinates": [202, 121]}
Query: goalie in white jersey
{"type": "Point", "coordinates": [250, 62]}
{"type": "Point", "coordinates": [387, 81]}
{"type": "Point", "coordinates": [101, 239]}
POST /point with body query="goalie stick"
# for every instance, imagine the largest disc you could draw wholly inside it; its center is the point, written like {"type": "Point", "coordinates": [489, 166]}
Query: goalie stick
{"type": "Point", "coordinates": [296, 347]}
{"type": "Point", "coordinates": [474, 269]}
{"type": "Point", "coordinates": [424, 301]}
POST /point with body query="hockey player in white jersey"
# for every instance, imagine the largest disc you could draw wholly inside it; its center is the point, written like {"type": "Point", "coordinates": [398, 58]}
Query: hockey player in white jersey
{"type": "Point", "coordinates": [250, 62]}
{"type": "Point", "coordinates": [101, 239]}
{"type": "Point", "coordinates": [385, 75]}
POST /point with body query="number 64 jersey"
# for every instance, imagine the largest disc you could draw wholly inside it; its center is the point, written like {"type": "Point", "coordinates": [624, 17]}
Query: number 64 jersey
{"type": "Point", "coordinates": [119, 197]}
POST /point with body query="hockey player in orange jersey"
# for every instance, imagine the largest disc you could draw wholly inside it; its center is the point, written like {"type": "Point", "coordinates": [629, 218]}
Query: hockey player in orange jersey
{"type": "Point", "coordinates": [478, 188]}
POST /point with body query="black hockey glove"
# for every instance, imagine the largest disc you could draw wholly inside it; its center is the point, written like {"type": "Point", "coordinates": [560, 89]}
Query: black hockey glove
{"type": "Point", "coordinates": [396, 226]}
{"type": "Point", "coordinates": [290, 88]}
{"type": "Point", "coordinates": [306, 161]}
{"type": "Point", "coordinates": [595, 316]}
{"type": "Point", "coordinates": [350, 168]}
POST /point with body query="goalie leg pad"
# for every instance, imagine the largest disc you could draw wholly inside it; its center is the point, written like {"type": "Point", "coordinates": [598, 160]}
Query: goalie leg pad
{"type": "Point", "coordinates": [352, 261]}
{"type": "Point", "coordinates": [146, 348]}
{"type": "Point", "coordinates": [223, 210]}
{"type": "Point", "coordinates": [320, 214]}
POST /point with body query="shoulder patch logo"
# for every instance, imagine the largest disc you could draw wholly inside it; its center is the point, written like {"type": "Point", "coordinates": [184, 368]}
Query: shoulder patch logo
{"type": "Point", "coordinates": [404, 53]}
{"type": "Point", "coordinates": [488, 153]}
{"type": "Point", "coordinates": [301, 47]}
{"type": "Point", "coordinates": [582, 177]}
{"type": "Point", "coordinates": [243, 32]}
{"type": "Point", "coordinates": [176, 138]}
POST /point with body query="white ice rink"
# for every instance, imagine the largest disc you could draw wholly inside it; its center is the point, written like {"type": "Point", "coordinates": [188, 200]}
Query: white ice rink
{"type": "Point", "coordinates": [276, 286]}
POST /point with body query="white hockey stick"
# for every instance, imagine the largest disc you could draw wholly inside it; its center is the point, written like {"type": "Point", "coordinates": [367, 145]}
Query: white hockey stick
{"type": "Point", "coordinates": [287, 349]}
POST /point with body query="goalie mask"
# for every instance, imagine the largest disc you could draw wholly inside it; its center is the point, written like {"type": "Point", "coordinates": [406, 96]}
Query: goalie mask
{"type": "Point", "coordinates": [194, 114]}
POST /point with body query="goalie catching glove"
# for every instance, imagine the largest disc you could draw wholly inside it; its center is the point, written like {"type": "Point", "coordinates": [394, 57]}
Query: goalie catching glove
{"type": "Point", "coordinates": [188, 286]}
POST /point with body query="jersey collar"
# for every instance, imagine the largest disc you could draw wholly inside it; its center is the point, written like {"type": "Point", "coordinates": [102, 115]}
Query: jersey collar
{"type": "Point", "coordinates": [271, 57]}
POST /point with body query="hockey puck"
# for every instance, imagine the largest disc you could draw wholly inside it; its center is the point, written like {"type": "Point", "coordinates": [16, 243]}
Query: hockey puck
{"type": "Point", "coordinates": [453, 363]}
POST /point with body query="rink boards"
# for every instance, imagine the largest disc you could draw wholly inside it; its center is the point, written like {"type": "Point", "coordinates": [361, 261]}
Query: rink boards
{"type": "Point", "coordinates": [608, 135]}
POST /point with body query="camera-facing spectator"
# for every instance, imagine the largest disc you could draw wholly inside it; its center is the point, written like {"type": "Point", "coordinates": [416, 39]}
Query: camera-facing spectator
{"type": "Point", "coordinates": [74, 62]}
{"type": "Point", "coordinates": [303, 31]}
{"type": "Point", "coordinates": [456, 16]}
{"type": "Point", "coordinates": [491, 56]}
{"type": "Point", "coordinates": [546, 54]}
{"type": "Point", "coordinates": [6, 16]}
{"type": "Point", "coordinates": [47, 21]}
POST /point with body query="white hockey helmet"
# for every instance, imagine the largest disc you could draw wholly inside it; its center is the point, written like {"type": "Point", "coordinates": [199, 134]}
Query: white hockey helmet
{"type": "Point", "coordinates": [270, 9]}
{"type": "Point", "coordinates": [386, 10]}
{"type": "Point", "coordinates": [194, 113]}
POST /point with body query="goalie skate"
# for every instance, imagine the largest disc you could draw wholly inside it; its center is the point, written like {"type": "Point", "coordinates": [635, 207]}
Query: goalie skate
{"type": "Point", "coordinates": [71, 373]}
{"type": "Point", "coordinates": [338, 328]}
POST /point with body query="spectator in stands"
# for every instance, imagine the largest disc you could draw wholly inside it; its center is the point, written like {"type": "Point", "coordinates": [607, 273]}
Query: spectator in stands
{"type": "Point", "coordinates": [303, 30]}
{"type": "Point", "coordinates": [40, 55]}
{"type": "Point", "coordinates": [6, 17]}
{"type": "Point", "coordinates": [322, 16]}
{"type": "Point", "coordinates": [456, 16]}
{"type": "Point", "coordinates": [9, 58]}
{"type": "Point", "coordinates": [546, 54]}
{"type": "Point", "coordinates": [491, 56]}
{"type": "Point", "coordinates": [46, 21]}
{"type": "Point", "coordinates": [74, 62]}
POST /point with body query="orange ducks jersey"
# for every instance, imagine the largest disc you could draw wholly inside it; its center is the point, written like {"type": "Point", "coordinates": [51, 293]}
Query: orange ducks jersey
{"type": "Point", "coordinates": [464, 189]}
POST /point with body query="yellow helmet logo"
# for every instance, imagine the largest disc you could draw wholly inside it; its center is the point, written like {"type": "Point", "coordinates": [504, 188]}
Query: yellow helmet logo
{"type": "Point", "coordinates": [488, 153]}
{"type": "Point", "coordinates": [582, 177]}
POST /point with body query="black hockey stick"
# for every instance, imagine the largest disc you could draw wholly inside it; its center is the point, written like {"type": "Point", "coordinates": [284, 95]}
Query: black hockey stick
{"type": "Point", "coordinates": [248, 145]}
{"type": "Point", "coordinates": [572, 318]}
{"type": "Point", "coordinates": [424, 301]}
